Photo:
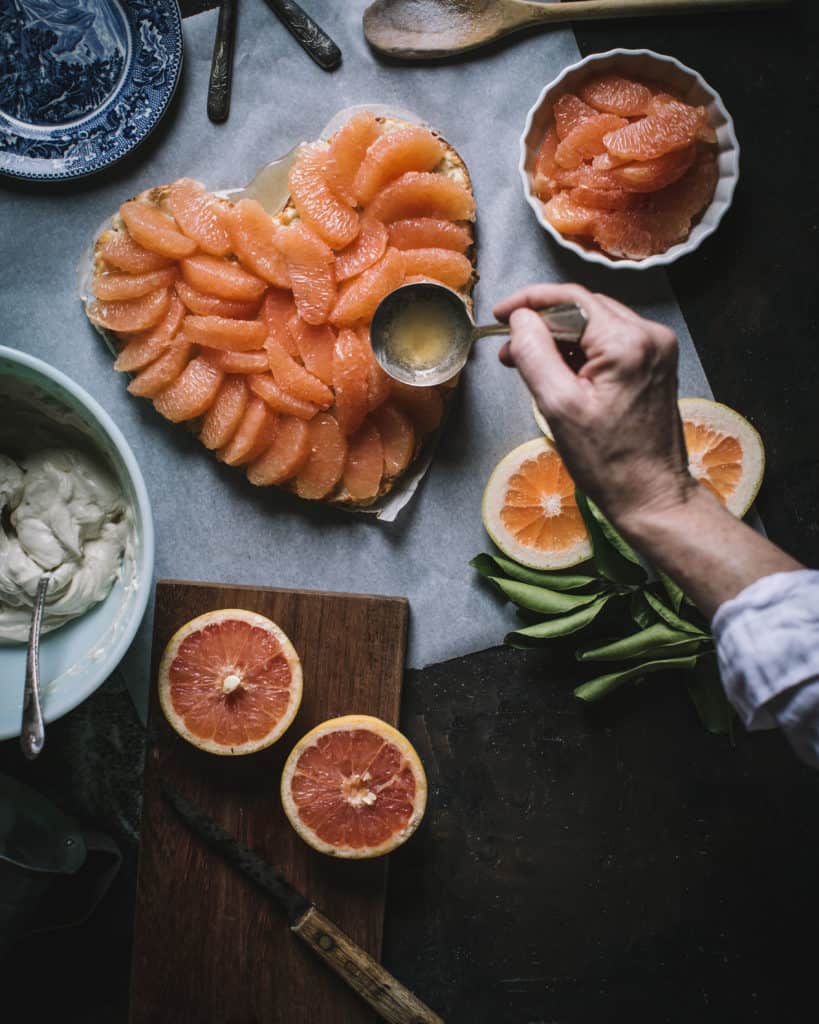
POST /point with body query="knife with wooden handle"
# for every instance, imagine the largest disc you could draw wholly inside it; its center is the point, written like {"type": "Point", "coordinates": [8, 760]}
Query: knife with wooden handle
{"type": "Point", "coordinates": [357, 968]}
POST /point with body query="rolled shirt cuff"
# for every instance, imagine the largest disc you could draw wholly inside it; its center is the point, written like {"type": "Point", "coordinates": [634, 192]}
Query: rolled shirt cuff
{"type": "Point", "coordinates": [767, 641]}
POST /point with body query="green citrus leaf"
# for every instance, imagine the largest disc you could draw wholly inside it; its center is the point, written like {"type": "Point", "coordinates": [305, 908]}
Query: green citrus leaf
{"type": "Point", "coordinates": [641, 611]}
{"type": "Point", "coordinates": [594, 689]}
{"type": "Point", "coordinates": [561, 626]}
{"type": "Point", "coordinates": [708, 697]}
{"type": "Point", "coordinates": [657, 640]}
{"type": "Point", "coordinates": [488, 565]}
{"type": "Point", "coordinates": [675, 593]}
{"type": "Point", "coordinates": [539, 599]}
{"type": "Point", "coordinates": [671, 618]}
{"type": "Point", "coordinates": [608, 555]}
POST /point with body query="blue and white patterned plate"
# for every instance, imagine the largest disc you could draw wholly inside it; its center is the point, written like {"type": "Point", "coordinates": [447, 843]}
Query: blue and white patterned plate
{"type": "Point", "coordinates": [82, 81]}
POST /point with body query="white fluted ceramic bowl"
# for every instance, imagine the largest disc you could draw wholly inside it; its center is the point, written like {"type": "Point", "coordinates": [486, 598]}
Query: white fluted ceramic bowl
{"type": "Point", "coordinates": [685, 83]}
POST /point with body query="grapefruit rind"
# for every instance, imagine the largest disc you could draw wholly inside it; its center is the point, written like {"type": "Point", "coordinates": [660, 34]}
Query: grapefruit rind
{"type": "Point", "coordinates": [389, 734]}
{"type": "Point", "coordinates": [171, 651]}
{"type": "Point", "coordinates": [493, 499]}
{"type": "Point", "coordinates": [542, 422]}
{"type": "Point", "coordinates": [719, 417]}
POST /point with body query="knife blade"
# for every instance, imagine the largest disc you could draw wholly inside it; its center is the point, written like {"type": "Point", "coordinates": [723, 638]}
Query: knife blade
{"type": "Point", "coordinates": [357, 968]}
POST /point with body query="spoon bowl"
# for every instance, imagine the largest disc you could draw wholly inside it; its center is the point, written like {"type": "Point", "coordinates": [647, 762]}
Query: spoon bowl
{"type": "Point", "coordinates": [422, 333]}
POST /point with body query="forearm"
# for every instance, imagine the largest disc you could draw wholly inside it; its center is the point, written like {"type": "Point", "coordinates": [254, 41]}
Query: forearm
{"type": "Point", "coordinates": [711, 554]}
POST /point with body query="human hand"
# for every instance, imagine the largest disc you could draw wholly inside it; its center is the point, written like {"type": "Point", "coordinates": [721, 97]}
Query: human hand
{"type": "Point", "coordinates": [615, 421]}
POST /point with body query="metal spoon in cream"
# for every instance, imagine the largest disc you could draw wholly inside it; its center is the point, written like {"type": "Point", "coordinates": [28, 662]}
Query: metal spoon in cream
{"type": "Point", "coordinates": [61, 512]}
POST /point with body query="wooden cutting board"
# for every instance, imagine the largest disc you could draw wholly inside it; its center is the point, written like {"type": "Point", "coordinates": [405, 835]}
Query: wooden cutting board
{"type": "Point", "coordinates": [209, 947]}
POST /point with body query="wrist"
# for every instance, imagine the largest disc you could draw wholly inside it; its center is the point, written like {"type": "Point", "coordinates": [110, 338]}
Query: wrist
{"type": "Point", "coordinates": [655, 514]}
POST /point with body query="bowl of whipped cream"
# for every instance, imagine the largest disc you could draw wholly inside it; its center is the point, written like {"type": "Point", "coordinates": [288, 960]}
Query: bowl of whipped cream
{"type": "Point", "coordinates": [73, 504]}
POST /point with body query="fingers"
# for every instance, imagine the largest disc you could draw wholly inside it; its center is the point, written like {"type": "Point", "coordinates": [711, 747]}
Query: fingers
{"type": "Point", "coordinates": [533, 351]}
{"type": "Point", "coordinates": [536, 296]}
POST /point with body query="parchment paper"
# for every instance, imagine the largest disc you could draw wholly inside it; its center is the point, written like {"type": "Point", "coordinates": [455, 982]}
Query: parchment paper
{"type": "Point", "coordinates": [211, 524]}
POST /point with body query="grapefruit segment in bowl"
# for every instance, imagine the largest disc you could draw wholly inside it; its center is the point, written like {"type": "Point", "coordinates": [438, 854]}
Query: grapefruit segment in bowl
{"type": "Point", "coordinates": [570, 111]}
{"type": "Point", "coordinates": [614, 94]}
{"type": "Point", "coordinates": [354, 787]}
{"type": "Point", "coordinates": [529, 509]}
{"type": "Point", "coordinates": [230, 682]}
{"type": "Point", "coordinates": [587, 139]}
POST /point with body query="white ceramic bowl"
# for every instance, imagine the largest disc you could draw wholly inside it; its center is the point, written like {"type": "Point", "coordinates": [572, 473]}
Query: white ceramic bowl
{"type": "Point", "coordinates": [76, 658]}
{"type": "Point", "coordinates": [684, 82]}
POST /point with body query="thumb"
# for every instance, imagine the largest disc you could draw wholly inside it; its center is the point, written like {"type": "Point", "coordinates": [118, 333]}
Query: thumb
{"type": "Point", "coordinates": [533, 350]}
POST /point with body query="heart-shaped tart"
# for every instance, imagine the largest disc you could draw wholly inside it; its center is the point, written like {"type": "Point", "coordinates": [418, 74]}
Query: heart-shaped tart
{"type": "Point", "coordinates": [254, 328]}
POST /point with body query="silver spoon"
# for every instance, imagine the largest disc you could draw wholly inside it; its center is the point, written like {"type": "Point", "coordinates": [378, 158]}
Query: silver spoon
{"type": "Point", "coordinates": [422, 333]}
{"type": "Point", "coordinates": [32, 733]}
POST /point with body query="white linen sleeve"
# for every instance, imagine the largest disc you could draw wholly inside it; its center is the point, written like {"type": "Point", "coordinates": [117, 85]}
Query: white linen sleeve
{"type": "Point", "coordinates": [767, 641]}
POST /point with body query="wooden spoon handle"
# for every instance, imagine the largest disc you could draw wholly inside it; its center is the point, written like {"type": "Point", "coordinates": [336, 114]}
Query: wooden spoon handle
{"type": "Point", "coordinates": [588, 10]}
{"type": "Point", "coordinates": [388, 997]}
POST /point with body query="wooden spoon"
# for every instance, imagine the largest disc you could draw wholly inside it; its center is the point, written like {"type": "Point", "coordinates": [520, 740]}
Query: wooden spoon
{"type": "Point", "coordinates": [429, 29]}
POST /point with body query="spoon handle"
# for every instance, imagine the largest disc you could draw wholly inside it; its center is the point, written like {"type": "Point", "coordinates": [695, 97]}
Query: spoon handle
{"type": "Point", "coordinates": [312, 38]}
{"type": "Point", "coordinates": [567, 322]}
{"type": "Point", "coordinates": [221, 68]}
{"type": "Point", "coordinates": [32, 734]}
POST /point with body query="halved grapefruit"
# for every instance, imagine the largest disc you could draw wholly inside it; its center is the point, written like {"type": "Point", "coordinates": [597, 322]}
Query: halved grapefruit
{"type": "Point", "coordinates": [725, 453]}
{"type": "Point", "coordinates": [354, 787]}
{"type": "Point", "coordinates": [230, 682]}
{"type": "Point", "coordinates": [529, 509]}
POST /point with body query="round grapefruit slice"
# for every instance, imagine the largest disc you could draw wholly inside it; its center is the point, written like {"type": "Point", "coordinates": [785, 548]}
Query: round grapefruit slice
{"type": "Point", "coordinates": [230, 682]}
{"type": "Point", "coordinates": [529, 509]}
{"type": "Point", "coordinates": [725, 453]}
{"type": "Point", "coordinates": [354, 787]}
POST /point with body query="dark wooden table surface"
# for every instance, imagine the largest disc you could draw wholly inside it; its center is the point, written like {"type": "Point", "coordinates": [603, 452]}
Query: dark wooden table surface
{"type": "Point", "coordinates": [576, 866]}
